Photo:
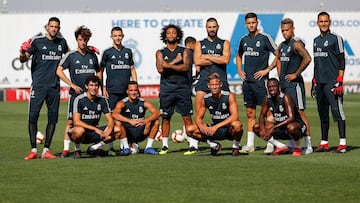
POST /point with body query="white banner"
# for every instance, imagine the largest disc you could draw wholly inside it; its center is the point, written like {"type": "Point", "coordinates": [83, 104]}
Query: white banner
{"type": "Point", "coordinates": [142, 35]}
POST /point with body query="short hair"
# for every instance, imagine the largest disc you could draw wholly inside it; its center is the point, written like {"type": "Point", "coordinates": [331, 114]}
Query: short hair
{"type": "Point", "coordinates": [84, 32]}
{"type": "Point", "coordinates": [211, 19]}
{"type": "Point", "coordinates": [189, 39]}
{"type": "Point", "coordinates": [287, 21]}
{"type": "Point", "coordinates": [213, 75]}
{"type": "Point", "coordinates": [92, 78]}
{"type": "Point", "coordinates": [133, 82]}
{"type": "Point", "coordinates": [250, 15]}
{"type": "Point", "coordinates": [273, 79]}
{"type": "Point", "coordinates": [56, 19]}
{"type": "Point", "coordinates": [323, 13]}
{"type": "Point", "coordinates": [179, 33]}
{"type": "Point", "coordinates": [116, 28]}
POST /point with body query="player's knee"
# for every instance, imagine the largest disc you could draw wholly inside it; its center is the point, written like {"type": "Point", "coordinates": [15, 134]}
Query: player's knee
{"type": "Point", "coordinates": [76, 134]}
{"type": "Point", "coordinates": [237, 126]}
{"type": "Point", "coordinates": [250, 113]}
{"type": "Point", "coordinates": [33, 117]}
{"type": "Point", "coordinates": [53, 117]}
{"type": "Point", "coordinates": [256, 128]}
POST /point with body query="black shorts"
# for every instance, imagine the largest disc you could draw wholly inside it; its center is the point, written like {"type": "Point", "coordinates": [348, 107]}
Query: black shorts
{"type": "Point", "coordinates": [39, 94]}
{"type": "Point", "coordinates": [135, 134]}
{"type": "Point", "coordinates": [114, 98]}
{"type": "Point", "coordinates": [254, 93]}
{"type": "Point", "coordinates": [90, 137]}
{"type": "Point", "coordinates": [282, 133]}
{"type": "Point", "coordinates": [179, 101]}
{"type": "Point", "coordinates": [222, 133]}
{"type": "Point", "coordinates": [297, 92]}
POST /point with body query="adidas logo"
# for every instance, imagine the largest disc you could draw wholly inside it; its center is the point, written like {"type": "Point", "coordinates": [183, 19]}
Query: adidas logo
{"type": "Point", "coordinates": [166, 57]}
{"type": "Point", "coordinates": [127, 110]}
{"type": "Point", "coordinates": [85, 108]}
{"type": "Point", "coordinates": [203, 47]}
{"type": "Point", "coordinates": [77, 62]}
{"type": "Point", "coordinates": [245, 44]}
{"type": "Point", "coordinates": [211, 107]}
{"type": "Point", "coordinates": [113, 57]}
{"type": "Point", "coordinates": [44, 47]}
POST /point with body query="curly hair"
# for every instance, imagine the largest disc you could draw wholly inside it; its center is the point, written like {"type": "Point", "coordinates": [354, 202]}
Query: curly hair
{"type": "Point", "coordinates": [84, 32]}
{"type": "Point", "coordinates": [179, 33]}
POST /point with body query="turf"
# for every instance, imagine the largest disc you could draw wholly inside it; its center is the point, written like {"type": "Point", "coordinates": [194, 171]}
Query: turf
{"type": "Point", "coordinates": [319, 177]}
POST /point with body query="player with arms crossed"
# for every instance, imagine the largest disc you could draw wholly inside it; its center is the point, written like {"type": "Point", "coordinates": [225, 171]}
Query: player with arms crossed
{"type": "Point", "coordinates": [329, 68]}
{"type": "Point", "coordinates": [172, 62]}
{"type": "Point", "coordinates": [130, 112]}
{"type": "Point", "coordinates": [81, 63]}
{"type": "Point", "coordinates": [253, 53]}
{"type": "Point", "coordinates": [47, 52]}
{"type": "Point", "coordinates": [288, 123]}
{"type": "Point", "coordinates": [87, 111]}
{"type": "Point", "coordinates": [118, 63]}
{"type": "Point", "coordinates": [223, 110]}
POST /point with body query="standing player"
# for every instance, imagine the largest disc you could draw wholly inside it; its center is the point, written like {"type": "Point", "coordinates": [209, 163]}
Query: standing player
{"type": "Point", "coordinates": [172, 62]}
{"type": "Point", "coordinates": [130, 112]}
{"type": "Point", "coordinates": [329, 67]}
{"type": "Point", "coordinates": [119, 65]}
{"type": "Point", "coordinates": [255, 48]}
{"type": "Point", "coordinates": [223, 110]}
{"type": "Point", "coordinates": [288, 123]}
{"type": "Point", "coordinates": [294, 59]}
{"type": "Point", "coordinates": [46, 51]}
{"type": "Point", "coordinates": [81, 63]}
{"type": "Point", "coordinates": [87, 111]}
{"type": "Point", "coordinates": [211, 54]}
{"type": "Point", "coordinates": [190, 43]}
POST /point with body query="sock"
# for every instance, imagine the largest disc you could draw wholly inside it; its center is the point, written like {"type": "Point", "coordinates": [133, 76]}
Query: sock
{"type": "Point", "coordinates": [34, 150]}
{"type": "Point", "coordinates": [77, 147]}
{"type": "Point", "coordinates": [44, 150]}
{"type": "Point", "coordinates": [236, 144]}
{"type": "Point", "coordinates": [67, 144]}
{"type": "Point", "coordinates": [307, 141]}
{"type": "Point", "coordinates": [50, 129]}
{"type": "Point", "coordinates": [165, 142]}
{"type": "Point", "coordinates": [291, 143]}
{"type": "Point", "coordinates": [124, 143]}
{"type": "Point", "coordinates": [98, 145]}
{"type": "Point", "coordinates": [250, 140]}
{"type": "Point", "coordinates": [149, 143]}
{"type": "Point", "coordinates": [342, 141]}
{"type": "Point", "coordinates": [111, 146]}
{"type": "Point", "coordinates": [324, 142]}
{"type": "Point", "coordinates": [193, 143]}
{"type": "Point", "coordinates": [276, 142]}
{"type": "Point", "coordinates": [212, 144]}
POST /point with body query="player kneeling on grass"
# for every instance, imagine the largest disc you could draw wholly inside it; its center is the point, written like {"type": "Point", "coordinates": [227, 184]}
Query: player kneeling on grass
{"type": "Point", "coordinates": [288, 123]}
{"type": "Point", "coordinates": [87, 111]}
{"type": "Point", "coordinates": [129, 116]}
{"type": "Point", "coordinates": [223, 110]}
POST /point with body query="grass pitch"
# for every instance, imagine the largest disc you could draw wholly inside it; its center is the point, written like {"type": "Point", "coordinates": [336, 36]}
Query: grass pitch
{"type": "Point", "coordinates": [319, 177]}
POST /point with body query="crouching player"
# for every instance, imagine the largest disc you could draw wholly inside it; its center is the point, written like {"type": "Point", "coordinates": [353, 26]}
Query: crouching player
{"type": "Point", "coordinates": [223, 110]}
{"type": "Point", "coordinates": [130, 112]}
{"type": "Point", "coordinates": [288, 123]}
{"type": "Point", "coordinates": [87, 111]}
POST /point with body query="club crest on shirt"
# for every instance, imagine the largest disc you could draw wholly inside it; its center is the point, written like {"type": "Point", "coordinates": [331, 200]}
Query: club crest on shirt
{"type": "Point", "coordinates": [141, 109]}
{"type": "Point", "coordinates": [223, 106]}
{"type": "Point", "coordinates": [257, 44]}
{"type": "Point", "coordinates": [98, 107]}
{"type": "Point", "coordinates": [218, 46]}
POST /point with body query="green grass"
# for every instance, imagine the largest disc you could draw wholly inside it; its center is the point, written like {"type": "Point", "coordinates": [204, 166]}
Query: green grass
{"type": "Point", "coordinates": [319, 177]}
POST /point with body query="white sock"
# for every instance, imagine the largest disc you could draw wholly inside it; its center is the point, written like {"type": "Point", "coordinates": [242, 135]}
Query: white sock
{"type": "Point", "coordinates": [307, 141]}
{"type": "Point", "coordinates": [67, 144]}
{"type": "Point", "coordinates": [111, 146]}
{"type": "Point", "coordinates": [149, 143]}
{"type": "Point", "coordinates": [77, 147]}
{"type": "Point", "coordinates": [165, 142]}
{"type": "Point", "coordinates": [212, 144]}
{"type": "Point", "coordinates": [324, 142]}
{"type": "Point", "coordinates": [250, 139]}
{"type": "Point", "coordinates": [124, 143]}
{"type": "Point", "coordinates": [276, 142]}
{"type": "Point", "coordinates": [193, 142]}
{"type": "Point", "coordinates": [342, 141]}
{"type": "Point", "coordinates": [45, 150]}
{"type": "Point", "coordinates": [236, 144]}
{"type": "Point", "coordinates": [34, 150]}
{"type": "Point", "coordinates": [98, 145]}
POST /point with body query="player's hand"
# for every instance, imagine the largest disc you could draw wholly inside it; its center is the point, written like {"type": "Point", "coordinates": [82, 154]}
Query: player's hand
{"type": "Point", "coordinates": [105, 93]}
{"type": "Point", "coordinates": [290, 77]}
{"type": "Point", "coordinates": [25, 46]}
{"type": "Point", "coordinates": [77, 89]}
{"type": "Point", "coordinates": [338, 89]}
{"type": "Point", "coordinates": [242, 75]}
{"type": "Point", "coordinates": [313, 88]}
{"type": "Point", "coordinates": [94, 49]}
{"type": "Point", "coordinates": [260, 74]}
